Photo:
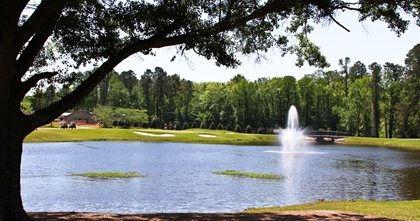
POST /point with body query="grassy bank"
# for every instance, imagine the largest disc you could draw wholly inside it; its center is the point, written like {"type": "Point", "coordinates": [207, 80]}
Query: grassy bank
{"type": "Point", "coordinates": [401, 210]}
{"type": "Point", "coordinates": [151, 135]}
{"type": "Point", "coordinates": [397, 143]}
{"type": "Point", "coordinates": [92, 133]}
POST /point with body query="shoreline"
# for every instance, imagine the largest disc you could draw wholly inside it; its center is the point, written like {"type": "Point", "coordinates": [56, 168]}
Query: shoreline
{"type": "Point", "coordinates": [311, 215]}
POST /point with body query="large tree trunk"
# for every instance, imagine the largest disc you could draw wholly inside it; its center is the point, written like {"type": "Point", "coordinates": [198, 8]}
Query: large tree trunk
{"type": "Point", "coordinates": [11, 207]}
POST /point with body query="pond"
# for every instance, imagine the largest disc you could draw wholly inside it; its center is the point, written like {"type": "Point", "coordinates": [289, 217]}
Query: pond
{"type": "Point", "coordinates": [179, 176]}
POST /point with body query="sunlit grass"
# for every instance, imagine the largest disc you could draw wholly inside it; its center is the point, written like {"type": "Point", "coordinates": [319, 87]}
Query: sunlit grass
{"type": "Point", "coordinates": [114, 134]}
{"type": "Point", "coordinates": [399, 143]}
{"type": "Point", "coordinates": [246, 174]}
{"type": "Point", "coordinates": [109, 174]}
{"type": "Point", "coordinates": [401, 210]}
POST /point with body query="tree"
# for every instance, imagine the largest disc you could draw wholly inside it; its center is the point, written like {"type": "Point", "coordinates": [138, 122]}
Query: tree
{"type": "Point", "coordinates": [307, 95]}
{"type": "Point", "coordinates": [118, 95]}
{"type": "Point", "coordinates": [393, 76]}
{"type": "Point", "coordinates": [146, 85]}
{"type": "Point", "coordinates": [186, 93]}
{"type": "Point", "coordinates": [159, 90]}
{"type": "Point", "coordinates": [357, 71]}
{"type": "Point", "coordinates": [129, 80]}
{"type": "Point", "coordinates": [104, 115]}
{"type": "Point", "coordinates": [355, 114]}
{"type": "Point", "coordinates": [375, 90]}
{"type": "Point", "coordinates": [409, 107]}
{"type": "Point", "coordinates": [39, 42]}
{"type": "Point", "coordinates": [345, 72]}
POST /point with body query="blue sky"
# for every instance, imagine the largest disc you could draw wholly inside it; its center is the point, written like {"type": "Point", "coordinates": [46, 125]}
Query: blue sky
{"type": "Point", "coordinates": [367, 42]}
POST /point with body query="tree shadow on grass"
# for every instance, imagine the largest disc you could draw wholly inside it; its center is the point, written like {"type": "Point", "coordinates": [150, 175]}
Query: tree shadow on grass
{"type": "Point", "coordinates": [292, 216]}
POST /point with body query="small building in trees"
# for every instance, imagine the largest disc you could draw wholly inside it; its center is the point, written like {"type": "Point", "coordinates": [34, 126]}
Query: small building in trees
{"type": "Point", "coordinates": [80, 116]}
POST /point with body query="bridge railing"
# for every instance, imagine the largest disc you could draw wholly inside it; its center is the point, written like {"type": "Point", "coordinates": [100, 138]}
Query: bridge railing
{"type": "Point", "coordinates": [327, 133]}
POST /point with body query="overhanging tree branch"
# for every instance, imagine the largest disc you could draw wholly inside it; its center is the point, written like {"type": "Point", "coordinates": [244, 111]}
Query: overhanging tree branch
{"type": "Point", "coordinates": [338, 23]}
{"type": "Point", "coordinates": [45, 13]}
{"type": "Point", "coordinates": [32, 81]}
{"type": "Point", "coordinates": [29, 53]}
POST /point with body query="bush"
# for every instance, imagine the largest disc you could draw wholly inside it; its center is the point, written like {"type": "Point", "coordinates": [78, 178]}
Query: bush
{"type": "Point", "coordinates": [194, 125]}
{"type": "Point", "coordinates": [248, 129]}
{"type": "Point", "coordinates": [202, 126]}
{"type": "Point", "coordinates": [185, 126]}
{"type": "Point", "coordinates": [238, 128]}
{"type": "Point", "coordinates": [220, 126]}
{"type": "Point", "coordinates": [260, 131]}
{"type": "Point", "coordinates": [145, 125]}
{"type": "Point", "coordinates": [154, 124]}
{"type": "Point", "coordinates": [228, 127]}
{"type": "Point", "coordinates": [212, 126]}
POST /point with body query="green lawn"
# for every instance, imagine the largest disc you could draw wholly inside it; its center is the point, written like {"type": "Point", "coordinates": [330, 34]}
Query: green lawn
{"type": "Point", "coordinates": [153, 135]}
{"type": "Point", "coordinates": [401, 210]}
{"type": "Point", "coordinates": [54, 134]}
{"type": "Point", "coordinates": [397, 143]}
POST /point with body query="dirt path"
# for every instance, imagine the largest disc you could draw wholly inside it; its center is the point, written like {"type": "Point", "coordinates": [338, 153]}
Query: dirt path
{"type": "Point", "coordinates": [290, 216]}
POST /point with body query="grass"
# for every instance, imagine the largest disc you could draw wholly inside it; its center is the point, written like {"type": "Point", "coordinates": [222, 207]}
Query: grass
{"type": "Point", "coordinates": [114, 134]}
{"type": "Point", "coordinates": [401, 210]}
{"type": "Point", "coordinates": [396, 143]}
{"type": "Point", "coordinates": [251, 175]}
{"type": "Point", "coordinates": [109, 175]}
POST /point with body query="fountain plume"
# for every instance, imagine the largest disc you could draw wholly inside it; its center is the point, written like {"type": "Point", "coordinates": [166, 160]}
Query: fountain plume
{"type": "Point", "coordinates": [291, 138]}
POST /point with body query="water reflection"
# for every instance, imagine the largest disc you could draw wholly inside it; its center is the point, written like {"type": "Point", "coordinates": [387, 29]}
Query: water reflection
{"type": "Point", "coordinates": [180, 179]}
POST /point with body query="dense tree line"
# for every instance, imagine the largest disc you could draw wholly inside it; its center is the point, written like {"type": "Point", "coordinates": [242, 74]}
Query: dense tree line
{"type": "Point", "coordinates": [374, 100]}
{"type": "Point", "coordinates": [41, 41]}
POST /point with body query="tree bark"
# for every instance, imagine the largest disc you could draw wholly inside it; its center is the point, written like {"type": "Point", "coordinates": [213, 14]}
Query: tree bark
{"type": "Point", "coordinates": [11, 139]}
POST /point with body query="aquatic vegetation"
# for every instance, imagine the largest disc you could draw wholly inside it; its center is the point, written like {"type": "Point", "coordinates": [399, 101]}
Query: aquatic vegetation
{"type": "Point", "coordinates": [251, 175]}
{"type": "Point", "coordinates": [109, 174]}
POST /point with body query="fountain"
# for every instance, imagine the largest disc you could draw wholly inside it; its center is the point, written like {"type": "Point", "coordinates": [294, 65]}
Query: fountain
{"type": "Point", "coordinates": [292, 137]}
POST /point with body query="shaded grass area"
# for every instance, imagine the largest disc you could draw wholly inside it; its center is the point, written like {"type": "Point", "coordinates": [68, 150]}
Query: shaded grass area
{"type": "Point", "coordinates": [114, 134]}
{"type": "Point", "coordinates": [401, 210]}
{"type": "Point", "coordinates": [246, 174]}
{"type": "Point", "coordinates": [397, 143]}
{"type": "Point", "coordinates": [109, 174]}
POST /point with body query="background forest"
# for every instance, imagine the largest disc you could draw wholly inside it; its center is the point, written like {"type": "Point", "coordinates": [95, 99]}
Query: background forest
{"type": "Point", "coordinates": [375, 100]}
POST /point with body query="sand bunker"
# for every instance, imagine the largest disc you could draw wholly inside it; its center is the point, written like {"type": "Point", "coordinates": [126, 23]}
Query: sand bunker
{"type": "Point", "coordinates": [154, 135]}
{"type": "Point", "coordinates": [206, 135]}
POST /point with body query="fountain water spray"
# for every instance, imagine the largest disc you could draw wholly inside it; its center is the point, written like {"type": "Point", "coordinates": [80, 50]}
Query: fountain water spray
{"type": "Point", "coordinates": [291, 138]}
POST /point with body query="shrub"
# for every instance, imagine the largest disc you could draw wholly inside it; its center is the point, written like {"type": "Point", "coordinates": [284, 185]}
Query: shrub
{"type": "Point", "coordinates": [237, 128]}
{"type": "Point", "coordinates": [248, 129]}
{"type": "Point", "coordinates": [154, 124]}
{"type": "Point", "coordinates": [260, 131]}
{"type": "Point", "coordinates": [228, 127]}
{"type": "Point", "coordinates": [212, 126]}
{"type": "Point", "coordinates": [202, 126]}
{"type": "Point", "coordinates": [194, 125]}
{"type": "Point", "coordinates": [185, 126]}
{"type": "Point", "coordinates": [220, 126]}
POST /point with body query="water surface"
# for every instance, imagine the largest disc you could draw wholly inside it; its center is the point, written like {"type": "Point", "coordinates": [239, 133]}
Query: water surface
{"type": "Point", "coordinates": [180, 179]}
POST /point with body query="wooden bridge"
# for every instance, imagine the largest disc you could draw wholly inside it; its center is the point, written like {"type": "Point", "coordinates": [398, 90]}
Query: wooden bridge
{"type": "Point", "coordinates": [326, 136]}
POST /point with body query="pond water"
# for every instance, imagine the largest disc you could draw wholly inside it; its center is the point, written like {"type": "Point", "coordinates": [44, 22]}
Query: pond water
{"type": "Point", "coordinates": [180, 176]}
